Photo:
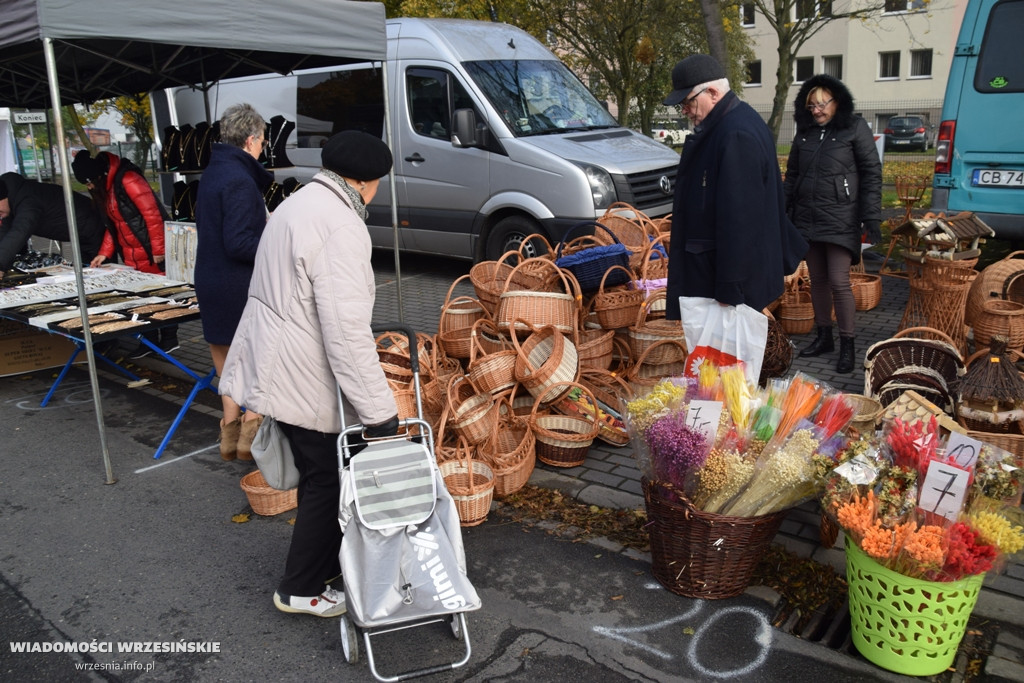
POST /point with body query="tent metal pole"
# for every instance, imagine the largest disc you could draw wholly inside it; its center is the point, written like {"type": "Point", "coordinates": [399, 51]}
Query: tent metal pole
{"type": "Point", "coordinates": [76, 249]}
{"type": "Point", "coordinates": [394, 189]}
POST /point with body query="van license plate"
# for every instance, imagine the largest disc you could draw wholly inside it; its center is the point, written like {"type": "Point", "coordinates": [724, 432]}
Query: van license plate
{"type": "Point", "coordinates": [1007, 177]}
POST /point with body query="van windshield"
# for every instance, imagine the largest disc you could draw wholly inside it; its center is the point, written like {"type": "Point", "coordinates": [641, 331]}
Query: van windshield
{"type": "Point", "coordinates": [539, 97]}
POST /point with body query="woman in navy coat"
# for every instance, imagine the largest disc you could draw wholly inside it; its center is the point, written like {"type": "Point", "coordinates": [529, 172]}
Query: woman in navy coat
{"type": "Point", "coordinates": [230, 217]}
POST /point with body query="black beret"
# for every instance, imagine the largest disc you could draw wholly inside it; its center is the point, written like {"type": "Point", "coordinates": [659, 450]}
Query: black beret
{"type": "Point", "coordinates": [356, 155]}
{"type": "Point", "coordinates": [88, 169]}
{"type": "Point", "coordinates": [690, 72]}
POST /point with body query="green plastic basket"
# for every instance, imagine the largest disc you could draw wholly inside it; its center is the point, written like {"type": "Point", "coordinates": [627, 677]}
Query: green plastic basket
{"type": "Point", "coordinates": [902, 624]}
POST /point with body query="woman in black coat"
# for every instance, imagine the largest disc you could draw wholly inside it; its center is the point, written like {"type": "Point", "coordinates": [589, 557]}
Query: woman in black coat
{"type": "Point", "coordinates": [834, 195]}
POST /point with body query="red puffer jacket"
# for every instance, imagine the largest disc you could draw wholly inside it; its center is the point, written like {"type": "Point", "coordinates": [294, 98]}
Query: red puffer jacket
{"type": "Point", "coordinates": [137, 219]}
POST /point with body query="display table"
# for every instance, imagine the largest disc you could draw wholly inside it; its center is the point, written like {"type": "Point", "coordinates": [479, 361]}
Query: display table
{"type": "Point", "coordinates": [121, 303]}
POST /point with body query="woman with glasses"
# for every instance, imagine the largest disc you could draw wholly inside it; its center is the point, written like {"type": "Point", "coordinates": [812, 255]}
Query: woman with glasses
{"type": "Point", "coordinates": [230, 217]}
{"type": "Point", "coordinates": [834, 195]}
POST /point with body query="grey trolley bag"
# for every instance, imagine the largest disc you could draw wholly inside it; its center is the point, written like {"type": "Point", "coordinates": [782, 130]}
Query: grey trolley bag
{"type": "Point", "coordinates": [402, 556]}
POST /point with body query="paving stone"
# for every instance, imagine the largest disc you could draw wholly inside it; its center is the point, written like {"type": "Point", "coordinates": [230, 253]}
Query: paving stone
{"type": "Point", "coordinates": [601, 478]}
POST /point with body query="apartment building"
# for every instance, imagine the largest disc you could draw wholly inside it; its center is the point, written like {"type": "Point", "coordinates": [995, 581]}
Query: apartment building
{"type": "Point", "coordinates": [895, 63]}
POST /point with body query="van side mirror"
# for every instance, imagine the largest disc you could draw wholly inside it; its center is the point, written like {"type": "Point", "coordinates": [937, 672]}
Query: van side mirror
{"type": "Point", "coordinates": [465, 131]}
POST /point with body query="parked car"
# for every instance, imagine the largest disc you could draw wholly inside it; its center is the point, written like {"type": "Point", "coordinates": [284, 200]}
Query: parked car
{"type": "Point", "coordinates": [906, 132]}
{"type": "Point", "coordinates": [670, 136]}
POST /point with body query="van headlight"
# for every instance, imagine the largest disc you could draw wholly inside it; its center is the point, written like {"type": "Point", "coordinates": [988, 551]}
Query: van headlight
{"type": "Point", "coordinates": [601, 186]}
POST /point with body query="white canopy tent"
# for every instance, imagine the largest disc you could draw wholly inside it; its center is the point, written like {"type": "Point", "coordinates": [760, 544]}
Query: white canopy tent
{"type": "Point", "coordinates": [58, 52]}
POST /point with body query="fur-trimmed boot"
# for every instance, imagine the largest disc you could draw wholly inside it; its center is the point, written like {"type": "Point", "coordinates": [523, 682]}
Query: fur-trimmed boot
{"type": "Point", "coordinates": [846, 355]}
{"type": "Point", "coordinates": [823, 343]}
{"type": "Point", "coordinates": [229, 438]}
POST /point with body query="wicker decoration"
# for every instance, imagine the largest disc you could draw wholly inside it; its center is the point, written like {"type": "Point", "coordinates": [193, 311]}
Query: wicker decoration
{"type": "Point", "coordinates": [511, 452]}
{"type": "Point", "coordinates": [1003, 318]}
{"type": "Point", "coordinates": [471, 483]}
{"type": "Point", "coordinates": [545, 362]}
{"type": "Point", "coordinates": [698, 554]}
{"type": "Point", "coordinates": [867, 290]}
{"type": "Point", "coordinates": [617, 308]}
{"type": "Point", "coordinates": [519, 310]}
{"type": "Point", "coordinates": [778, 351]}
{"type": "Point", "coordinates": [473, 413]}
{"type": "Point", "coordinates": [563, 440]}
{"type": "Point", "coordinates": [991, 283]}
{"type": "Point", "coordinates": [265, 500]}
{"type": "Point", "coordinates": [491, 372]}
{"type": "Point", "coordinates": [991, 395]}
{"type": "Point", "coordinates": [646, 332]}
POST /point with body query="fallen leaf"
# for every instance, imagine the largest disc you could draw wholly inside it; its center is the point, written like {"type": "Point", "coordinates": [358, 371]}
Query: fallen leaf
{"type": "Point", "coordinates": [291, 521]}
{"type": "Point", "coordinates": [688, 631]}
{"type": "Point", "coordinates": [241, 518]}
{"type": "Point", "coordinates": [616, 597]}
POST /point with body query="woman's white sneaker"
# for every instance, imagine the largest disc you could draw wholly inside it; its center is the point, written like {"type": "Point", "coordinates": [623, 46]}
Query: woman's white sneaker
{"type": "Point", "coordinates": [330, 603]}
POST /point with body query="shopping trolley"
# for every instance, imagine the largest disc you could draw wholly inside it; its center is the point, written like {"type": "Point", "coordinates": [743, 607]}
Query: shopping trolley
{"type": "Point", "coordinates": [402, 556]}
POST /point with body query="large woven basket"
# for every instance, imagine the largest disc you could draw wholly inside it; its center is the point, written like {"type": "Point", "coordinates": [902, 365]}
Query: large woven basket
{"type": "Point", "coordinates": [796, 313]}
{"type": "Point", "coordinates": [546, 360]}
{"type": "Point", "coordinates": [491, 372]}
{"type": "Point", "coordinates": [991, 283]}
{"type": "Point", "coordinates": [867, 290]}
{"type": "Point", "coordinates": [595, 348]}
{"type": "Point", "coordinates": [698, 554]}
{"type": "Point", "coordinates": [473, 412]}
{"type": "Point", "coordinates": [642, 375]}
{"type": "Point", "coordinates": [934, 356]}
{"type": "Point", "coordinates": [511, 452]}
{"type": "Point", "coordinates": [645, 332]}
{"type": "Point", "coordinates": [630, 226]}
{"type": "Point", "coordinates": [1002, 317]}
{"type": "Point", "coordinates": [591, 263]}
{"type": "Point", "coordinates": [617, 307]}
{"type": "Point", "coordinates": [471, 484]}
{"type": "Point", "coordinates": [456, 322]}
{"type": "Point", "coordinates": [265, 500]}
{"type": "Point", "coordinates": [519, 310]}
{"type": "Point", "coordinates": [563, 440]}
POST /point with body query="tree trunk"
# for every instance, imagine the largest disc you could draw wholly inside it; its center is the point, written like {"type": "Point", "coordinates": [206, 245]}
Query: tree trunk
{"type": "Point", "coordinates": [712, 12]}
{"type": "Point", "coordinates": [783, 79]}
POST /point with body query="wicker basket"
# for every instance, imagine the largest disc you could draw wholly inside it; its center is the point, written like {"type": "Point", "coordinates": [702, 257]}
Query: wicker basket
{"type": "Point", "coordinates": [511, 453]}
{"type": "Point", "coordinates": [519, 310]}
{"type": "Point", "coordinates": [491, 372]}
{"type": "Point", "coordinates": [991, 283]}
{"type": "Point", "coordinates": [617, 308]}
{"type": "Point", "coordinates": [630, 226]}
{"type": "Point", "coordinates": [778, 351]}
{"type": "Point", "coordinates": [867, 290]}
{"type": "Point", "coordinates": [645, 332]}
{"type": "Point", "coordinates": [473, 413]}
{"type": "Point", "coordinates": [611, 392]}
{"type": "Point", "coordinates": [866, 412]}
{"type": "Point", "coordinates": [265, 500]}
{"type": "Point", "coordinates": [1002, 317]}
{"type": "Point", "coordinates": [471, 484]}
{"type": "Point", "coordinates": [546, 360]}
{"type": "Point", "coordinates": [698, 554]}
{"type": "Point", "coordinates": [595, 348]}
{"type": "Point", "coordinates": [563, 440]}
{"type": "Point", "coordinates": [934, 356]}
{"type": "Point", "coordinates": [590, 264]}
{"type": "Point", "coordinates": [642, 375]}
{"type": "Point", "coordinates": [796, 313]}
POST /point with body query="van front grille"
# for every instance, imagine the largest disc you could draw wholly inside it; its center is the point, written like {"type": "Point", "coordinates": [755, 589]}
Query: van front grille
{"type": "Point", "coordinates": [645, 190]}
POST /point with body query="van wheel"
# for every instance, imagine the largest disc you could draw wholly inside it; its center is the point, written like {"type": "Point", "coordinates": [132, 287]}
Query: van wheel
{"type": "Point", "coordinates": [508, 235]}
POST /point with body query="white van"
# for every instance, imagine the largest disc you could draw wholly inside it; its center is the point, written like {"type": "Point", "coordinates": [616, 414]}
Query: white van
{"type": "Point", "coordinates": [495, 138]}
{"type": "Point", "coordinates": [979, 154]}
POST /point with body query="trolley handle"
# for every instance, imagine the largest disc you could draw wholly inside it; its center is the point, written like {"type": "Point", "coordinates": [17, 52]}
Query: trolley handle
{"type": "Point", "coordinates": [414, 356]}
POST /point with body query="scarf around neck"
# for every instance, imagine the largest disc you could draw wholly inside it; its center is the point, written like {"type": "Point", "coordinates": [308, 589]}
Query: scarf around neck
{"type": "Point", "coordinates": [357, 199]}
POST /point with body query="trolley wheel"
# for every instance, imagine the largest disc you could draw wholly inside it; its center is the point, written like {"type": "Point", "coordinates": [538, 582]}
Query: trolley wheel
{"type": "Point", "coordinates": [456, 626]}
{"type": "Point", "coordinates": [349, 639]}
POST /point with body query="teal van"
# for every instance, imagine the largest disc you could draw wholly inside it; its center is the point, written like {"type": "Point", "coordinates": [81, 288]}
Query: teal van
{"type": "Point", "coordinates": [979, 153]}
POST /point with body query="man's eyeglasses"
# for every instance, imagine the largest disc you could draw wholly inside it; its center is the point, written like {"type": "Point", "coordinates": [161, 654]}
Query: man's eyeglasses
{"type": "Point", "coordinates": [819, 106]}
{"type": "Point", "coordinates": [688, 102]}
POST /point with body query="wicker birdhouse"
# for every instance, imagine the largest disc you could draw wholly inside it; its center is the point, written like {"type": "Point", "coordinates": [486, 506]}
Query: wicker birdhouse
{"type": "Point", "coordinates": [991, 392]}
{"type": "Point", "coordinates": [953, 238]}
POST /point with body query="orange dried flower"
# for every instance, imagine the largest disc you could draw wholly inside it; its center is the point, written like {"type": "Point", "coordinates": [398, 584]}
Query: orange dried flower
{"type": "Point", "coordinates": [882, 543]}
{"type": "Point", "coordinates": [925, 545]}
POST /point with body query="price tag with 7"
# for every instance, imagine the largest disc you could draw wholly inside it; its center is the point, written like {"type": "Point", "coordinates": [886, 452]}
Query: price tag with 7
{"type": "Point", "coordinates": [703, 416]}
{"type": "Point", "coordinates": [944, 489]}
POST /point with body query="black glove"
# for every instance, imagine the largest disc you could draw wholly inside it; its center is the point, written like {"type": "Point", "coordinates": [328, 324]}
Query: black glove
{"type": "Point", "coordinates": [873, 229]}
{"type": "Point", "coordinates": [386, 428]}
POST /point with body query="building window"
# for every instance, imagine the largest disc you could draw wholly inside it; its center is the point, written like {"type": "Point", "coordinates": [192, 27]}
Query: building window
{"type": "Point", "coordinates": [888, 64]}
{"type": "Point", "coordinates": [804, 68]}
{"type": "Point", "coordinates": [754, 73]}
{"type": "Point", "coordinates": [833, 66]}
{"type": "Point", "coordinates": [920, 63]}
{"type": "Point", "coordinates": [747, 14]}
{"type": "Point", "coordinates": [904, 5]}
{"type": "Point", "coordinates": [809, 9]}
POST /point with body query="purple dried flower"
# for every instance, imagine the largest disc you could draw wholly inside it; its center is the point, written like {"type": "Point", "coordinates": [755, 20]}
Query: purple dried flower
{"type": "Point", "coordinates": [676, 450]}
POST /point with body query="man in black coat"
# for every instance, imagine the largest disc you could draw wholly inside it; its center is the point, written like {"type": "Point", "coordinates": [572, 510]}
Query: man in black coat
{"type": "Point", "coordinates": [731, 239]}
{"type": "Point", "coordinates": [28, 207]}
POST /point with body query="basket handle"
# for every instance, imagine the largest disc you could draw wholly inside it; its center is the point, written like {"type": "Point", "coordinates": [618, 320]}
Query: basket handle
{"type": "Point", "coordinates": [629, 280]}
{"type": "Point", "coordinates": [641, 313]}
{"type": "Point", "coordinates": [583, 224]}
{"type": "Point", "coordinates": [448, 296]}
{"type": "Point", "coordinates": [925, 330]}
{"type": "Point", "coordinates": [595, 422]}
{"type": "Point", "coordinates": [639, 217]}
{"type": "Point", "coordinates": [534, 236]}
{"type": "Point", "coordinates": [474, 342]}
{"type": "Point", "coordinates": [633, 372]}
{"type": "Point", "coordinates": [656, 241]}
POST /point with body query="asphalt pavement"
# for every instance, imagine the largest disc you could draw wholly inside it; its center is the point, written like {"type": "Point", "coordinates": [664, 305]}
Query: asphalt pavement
{"type": "Point", "coordinates": [170, 557]}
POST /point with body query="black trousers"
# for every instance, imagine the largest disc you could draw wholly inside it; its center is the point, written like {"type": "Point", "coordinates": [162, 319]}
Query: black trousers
{"type": "Point", "coordinates": [316, 538]}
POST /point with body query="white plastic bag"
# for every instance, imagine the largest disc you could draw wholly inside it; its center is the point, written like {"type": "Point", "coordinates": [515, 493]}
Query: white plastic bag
{"type": "Point", "coordinates": [723, 335]}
